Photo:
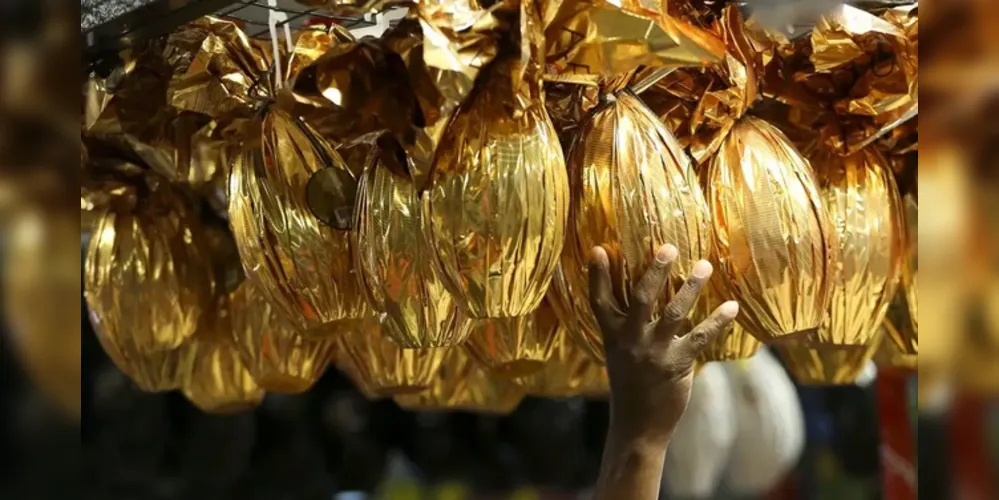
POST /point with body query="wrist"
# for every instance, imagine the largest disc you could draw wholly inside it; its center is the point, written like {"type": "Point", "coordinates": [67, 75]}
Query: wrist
{"type": "Point", "coordinates": [647, 439]}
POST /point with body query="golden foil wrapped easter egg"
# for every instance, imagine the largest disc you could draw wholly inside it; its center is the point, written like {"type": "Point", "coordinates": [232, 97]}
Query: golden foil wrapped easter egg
{"type": "Point", "coordinates": [827, 365]}
{"type": "Point", "coordinates": [773, 237]}
{"type": "Point", "coordinates": [41, 267]}
{"type": "Point", "coordinates": [514, 347]}
{"type": "Point", "coordinates": [215, 378]}
{"type": "Point", "coordinates": [736, 343]}
{"type": "Point", "coordinates": [380, 368]}
{"type": "Point", "coordinates": [498, 203]}
{"type": "Point", "coordinates": [633, 190]}
{"type": "Point", "coordinates": [461, 384]}
{"type": "Point", "coordinates": [569, 372]}
{"type": "Point", "coordinates": [301, 266]}
{"type": "Point", "coordinates": [278, 357]}
{"type": "Point", "coordinates": [866, 209]}
{"type": "Point", "coordinates": [888, 355]}
{"type": "Point", "coordinates": [147, 275]}
{"type": "Point", "coordinates": [394, 260]}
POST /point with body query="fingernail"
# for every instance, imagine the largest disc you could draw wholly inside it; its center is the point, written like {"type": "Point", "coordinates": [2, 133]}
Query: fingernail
{"type": "Point", "coordinates": [599, 256]}
{"type": "Point", "coordinates": [666, 254]}
{"type": "Point", "coordinates": [702, 270]}
{"type": "Point", "coordinates": [729, 309]}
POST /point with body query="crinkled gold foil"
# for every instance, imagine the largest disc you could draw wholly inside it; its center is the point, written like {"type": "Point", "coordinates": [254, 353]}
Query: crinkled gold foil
{"type": "Point", "coordinates": [860, 193]}
{"type": "Point", "coordinates": [148, 275]}
{"type": "Point", "coordinates": [633, 190]}
{"type": "Point", "coordinates": [461, 384]}
{"type": "Point", "coordinates": [276, 355]}
{"type": "Point", "coordinates": [394, 261]}
{"type": "Point", "coordinates": [826, 365]}
{"type": "Point", "coordinates": [514, 347]}
{"type": "Point", "coordinates": [773, 236]}
{"type": "Point", "coordinates": [889, 355]}
{"type": "Point", "coordinates": [702, 105]}
{"type": "Point", "coordinates": [569, 372]}
{"type": "Point", "coordinates": [41, 267]}
{"type": "Point", "coordinates": [215, 378]}
{"type": "Point", "coordinates": [736, 343]}
{"type": "Point", "coordinates": [151, 371]}
{"type": "Point", "coordinates": [380, 368]}
{"type": "Point", "coordinates": [854, 78]}
{"type": "Point", "coordinates": [597, 37]}
{"type": "Point", "coordinates": [497, 207]}
{"type": "Point", "coordinates": [301, 266]}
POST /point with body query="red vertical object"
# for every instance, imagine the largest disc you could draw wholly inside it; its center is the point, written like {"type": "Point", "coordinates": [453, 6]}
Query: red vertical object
{"type": "Point", "coordinates": [969, 456]}
{"type": "Point", "coordinates": [898, 470]}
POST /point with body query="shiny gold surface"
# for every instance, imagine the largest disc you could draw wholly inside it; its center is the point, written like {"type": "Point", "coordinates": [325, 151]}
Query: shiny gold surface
{"type": "Point", "coordinates": [380, 368]}
{"type": "Point", "coordinates": [866, 209]}
{"type": "Point", "coordinates": [890, 356]}
{"type": "Point", "coordinates": [461, 384]}
{"type": "Point", "coordinates": [734, 344]}
{"type": "Point", "coordinates": [147, 275]}
{"type": "Point", "coordinates": [774, 239]}
{"type": "Point", "coordinates": [633, 190]}
{"type": "Point", "coordinates": [394, 260]}
{"type": "Point", "coordinates": [276, 355]}
{"type": "Point", "coordinates": [41, 267]}
{"type": "Point", "coordinates": [910, 264]}
{"type": "Point", "coordinates": [301, 266]}
{"type": "Point", "coordinates": [827, 365]}
{"type": "Point", "coordinates": [514, 347]}
{"type": "Point", "coordinates": [215, 378]}
{"type": "Point", "coordinates": [569, 372]}
{"type": "Point", "coordinates": [151, 371]}
{"type": "Point", "coordinates": [497, 206]}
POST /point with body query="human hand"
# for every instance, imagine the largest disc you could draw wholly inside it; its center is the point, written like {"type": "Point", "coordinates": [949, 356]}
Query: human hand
{"type": "Point", "coordinates": [651, 363]}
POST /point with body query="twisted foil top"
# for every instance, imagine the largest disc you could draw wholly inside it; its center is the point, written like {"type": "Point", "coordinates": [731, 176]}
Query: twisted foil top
{"type": "Point", "coordinates": [854, 78]}
{"type": "Point", "coordinates": [394, 261]}
{"type": "Point", "coordinates": [866, 209]}
{"type": "Point", "coordinates": [380, 368]}
{"type": "Point", "coordinates": [215, 378]}
{"type": "Point", "coordinates": [276, 355]}
{"type": "Point", "coordinates": [774, 239]}
{"type": "Point", "coordinates": [461, 384]}
{"type": "Point", "coordinates": [633, 190]}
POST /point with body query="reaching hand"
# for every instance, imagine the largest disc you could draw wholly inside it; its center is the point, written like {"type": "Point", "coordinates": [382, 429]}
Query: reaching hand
{"type": "Point", "coordinates": [650, 365]}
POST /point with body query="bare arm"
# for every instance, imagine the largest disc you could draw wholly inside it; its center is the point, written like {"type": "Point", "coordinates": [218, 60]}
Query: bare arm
{"type": "Point", "coordinates": [651, 370]}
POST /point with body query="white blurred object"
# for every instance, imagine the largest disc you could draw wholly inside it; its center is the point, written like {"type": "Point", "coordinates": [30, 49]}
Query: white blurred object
{"type": "Point", "coordinates": [867, 375]}
{"type": "Point", "coordinates": [770, 426]}
{"type": "Point", "coordinates": [793, 18]}
{"type": "Point", "coordinates": [700, 447]}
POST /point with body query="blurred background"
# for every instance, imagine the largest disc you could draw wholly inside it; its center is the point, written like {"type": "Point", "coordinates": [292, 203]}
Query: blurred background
{"type": "Point", "coordinates": [70, 422]}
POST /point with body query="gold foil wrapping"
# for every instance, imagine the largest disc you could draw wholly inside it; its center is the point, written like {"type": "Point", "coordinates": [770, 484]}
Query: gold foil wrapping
{"type": "Point", "coordinates": [569, 372]}
{"type": "Point", "coordinates": [41, 267]}
{"type": "Point", "coordinates": [514, 347]}
{"type": "Point", "coordinates": [461, 384]}
{"type": "Point", "coordinates": [394, 260]}
{"type": "Point", "coordinates": [148, 276]}
{"type": "Point", "coordinates": [773, 236]}
{"type": "Point", "coordinates": [826, 365]}
{"type": "Point", "coordinates": [303, 267]}
{"type": "Point", "coordinates": [497, 206]}
{"type": "Point", "coordinates": [215, 378]}
{"type": "Point", "coordinates": [734, 344]}
{"type": "Point", "coordinates": [380, 368]}
{"type": "Point", "coordinates": [276, 355]}
{"type": "Point", "coordinates": [860, 193]}
{"type": "Point", "coordinates": [888, 355]}
{"type": "Point", "coordinates": [633, 190]}
{"type": "Point", "coordinates": [910, 264]}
